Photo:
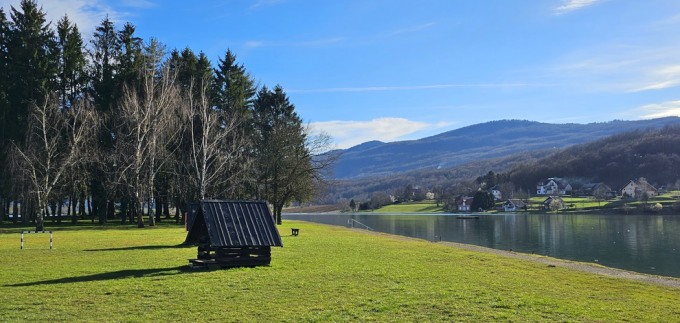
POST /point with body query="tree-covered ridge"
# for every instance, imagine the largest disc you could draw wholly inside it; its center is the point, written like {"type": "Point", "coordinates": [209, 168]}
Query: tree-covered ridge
{"type": "Point", "coordinates": [652, 154]}
{"type": "Point", "coordinates": [494, 139]}
{"type": "Point", "coordinates": [121, 124]}
{"type": "Point", "coordinates": [615, 160]}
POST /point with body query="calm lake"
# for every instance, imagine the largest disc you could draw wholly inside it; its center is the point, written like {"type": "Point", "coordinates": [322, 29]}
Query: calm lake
{"type": "Point", "coordinates": [641, 243]}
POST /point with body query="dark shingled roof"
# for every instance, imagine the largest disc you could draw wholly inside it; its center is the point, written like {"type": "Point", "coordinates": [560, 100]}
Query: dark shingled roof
{"type": "Point", "coordinates": [234, 224]}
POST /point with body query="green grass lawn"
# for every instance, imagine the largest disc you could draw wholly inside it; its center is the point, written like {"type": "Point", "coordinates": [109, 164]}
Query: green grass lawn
{"type": "Point", "coordinates": [429, 207]}
{"type": "Point", "coordinates": [324, 274]}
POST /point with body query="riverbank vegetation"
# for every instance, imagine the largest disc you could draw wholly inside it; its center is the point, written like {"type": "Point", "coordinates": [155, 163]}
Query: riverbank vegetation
{"type": "Point", "coordinates": [327, 273]}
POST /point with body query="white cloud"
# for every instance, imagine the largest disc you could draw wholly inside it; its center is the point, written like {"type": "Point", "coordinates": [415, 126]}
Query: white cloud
{"type": "Point", "coordinates": [350, 133]}
{"type": "Point", "coordinates": [571, 5]}
{"type": "Point", "coordinates": [414, 28]}
{"type": "Point", "coordinates": [660, 78]}
{"type": "Point", "coordinates": [264, 3]}
{"type": "Point", "coordinates": [306, 43]}
{"type": "Point", "coordinates": [659, 110]}
{"type": "Point", "coordinates": [618, 68]}
{"type": "Point", "coordinates": [86, 14]}
{"type": "Point", "coordinates": [656, 86]}
{"type": "Point", "coordinates": [408, 88]}
{"type": "Point", "coordinates": [255, 44]}
{"type": "Point", "coordinates": [144, 4]}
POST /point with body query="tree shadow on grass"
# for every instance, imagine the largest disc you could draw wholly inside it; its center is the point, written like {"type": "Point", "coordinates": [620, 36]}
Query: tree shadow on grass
{"type": "Point", "coordinates": [157, 247]}
{"type": "Point", "coordinates": [121, 274]}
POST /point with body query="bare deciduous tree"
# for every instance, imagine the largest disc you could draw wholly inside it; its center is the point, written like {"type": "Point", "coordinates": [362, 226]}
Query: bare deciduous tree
{"type": "Point", "coordinates": [217, 156]}
{"type": "Point", "coordinates": [148, 122]}
{"type": "Point", "coordinates": [55, 138]}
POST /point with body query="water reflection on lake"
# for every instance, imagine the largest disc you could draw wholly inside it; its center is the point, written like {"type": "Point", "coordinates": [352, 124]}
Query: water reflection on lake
{"type": "Point", "coordinates": [642, 243]}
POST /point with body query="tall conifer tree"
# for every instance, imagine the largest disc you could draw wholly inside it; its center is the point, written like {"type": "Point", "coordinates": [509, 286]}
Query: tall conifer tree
{"type": "Point", "coordinates": [4, 105]}
{"type": "Point", "coordinates": [32, 58]}
{"type": "Point", "coordinates": [72, 62]}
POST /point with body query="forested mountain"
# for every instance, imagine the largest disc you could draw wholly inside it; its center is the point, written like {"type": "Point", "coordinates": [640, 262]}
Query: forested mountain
{"type": "Point", "coordinates": [477, 142]}
{"type": "Point", "coordinates": [653, 154]}
{"type": "Point", "coordinates": [453, 180]}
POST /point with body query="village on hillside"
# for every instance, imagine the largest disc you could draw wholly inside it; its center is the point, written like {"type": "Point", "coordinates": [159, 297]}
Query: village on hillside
{"type": "Point", "coordinates": [553, 194]}
{"type": "Point", "coordinates": [556, 194]}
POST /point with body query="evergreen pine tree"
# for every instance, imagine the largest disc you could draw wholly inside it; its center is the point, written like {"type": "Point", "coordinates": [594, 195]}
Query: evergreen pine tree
{"type": "Point", "coordinates": [32, 61]}
{"type": "Point", "coordinates": [71, 64]}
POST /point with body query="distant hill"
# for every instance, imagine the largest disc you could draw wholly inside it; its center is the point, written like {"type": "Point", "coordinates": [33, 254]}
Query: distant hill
{"type": "Point", "coordinates": [653, 153]}
{"type": "Point", "coordinates": [362, 188]}
{"type": "Point", "coordinates": [615, 160]}
{"type": "Point", "coordinates": [488, 140]}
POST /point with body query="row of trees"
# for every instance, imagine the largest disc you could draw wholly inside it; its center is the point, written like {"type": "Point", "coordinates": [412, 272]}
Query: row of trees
{"type": "Point", "coordinates": [121, 120]}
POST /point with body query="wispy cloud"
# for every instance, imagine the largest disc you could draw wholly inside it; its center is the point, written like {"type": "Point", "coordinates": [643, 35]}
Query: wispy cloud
{"type": "Point", "coordinates": [350, 133]}
{"type": "Point", "coordinates": [264, 3]}
{"type": "Point", "coordinates": [145, 4]}
{"type": "Point", "coordinates": [408, 88]}
{"type": "Point", "coordinates": [659, 110]}
{"type": "Point", "coordinates": [660, 78]}
{"type": "Point", "coordinates": [572, 5]}
{"type": "Point", "coordinates": [619, 68]}
{"type": "Point", "coordinates": [306, 43]}
{"type": "Point", "coordinates": [414, 28]}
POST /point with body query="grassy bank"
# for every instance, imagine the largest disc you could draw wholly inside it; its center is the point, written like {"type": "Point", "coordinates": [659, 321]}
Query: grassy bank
{"type": "Point", "coordinates": [326, 273]}
{"type": "Point", "coordinates": [421, 207]}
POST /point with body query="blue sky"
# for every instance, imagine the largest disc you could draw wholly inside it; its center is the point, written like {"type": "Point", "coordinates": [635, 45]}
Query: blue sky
{"type": "Point", "coordinates": [392, 70]}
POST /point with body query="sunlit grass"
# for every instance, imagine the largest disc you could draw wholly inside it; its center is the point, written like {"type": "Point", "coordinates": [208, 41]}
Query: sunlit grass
{"type": "Point", "coordinates": [324, 274]}
{"type": "Point", "coordinates": [428, 207]}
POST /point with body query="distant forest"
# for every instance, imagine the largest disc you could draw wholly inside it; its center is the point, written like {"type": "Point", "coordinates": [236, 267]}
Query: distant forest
{"type": "Point", "coordinates": [120, 125]}
{"type": "Point", "coordinates": [653, 154]}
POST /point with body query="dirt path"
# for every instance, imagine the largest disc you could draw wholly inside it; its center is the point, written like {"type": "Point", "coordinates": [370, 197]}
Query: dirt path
{"type": "Point", "coordinates": [580, 266]}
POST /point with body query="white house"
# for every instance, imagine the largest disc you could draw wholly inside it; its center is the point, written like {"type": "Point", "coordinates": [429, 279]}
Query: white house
{"type": "Point", "coordinates": [465, 203]}
{"type": "Point", "coordinates": [553, 186]}
{"type": "Point", "coordinates": [636, 189]}
{"type": "Point", "coordinates": [513, 205]}
{"type": "Point", "coordinates": [497, 195]}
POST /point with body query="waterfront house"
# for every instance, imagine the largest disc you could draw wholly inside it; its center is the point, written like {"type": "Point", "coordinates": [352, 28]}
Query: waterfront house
{"type": "Point", "coordinates": [465, 203]}
{"type": "Point", "coordinates": [514, 205]}
{"type": "Point", "coordinates": [553, 199]}
{"type": "Point", "coordinates": [591, 188]}
{"type": "Point", "coordinates": [637, 189]}
{"type": "Point", "coordinates": [553, 186]}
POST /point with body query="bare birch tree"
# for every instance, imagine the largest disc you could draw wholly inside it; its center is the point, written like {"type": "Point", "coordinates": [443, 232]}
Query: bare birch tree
{"type": "Point", "coordinates": [148, 121]}
{"type": "Point", "coordinates": [55, 138]}
{"type": "Point", "coordinates": [217, 155]}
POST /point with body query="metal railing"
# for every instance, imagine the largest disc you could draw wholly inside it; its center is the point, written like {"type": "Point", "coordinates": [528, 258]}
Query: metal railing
{"type": "Point", "coordinates": [350, 222]}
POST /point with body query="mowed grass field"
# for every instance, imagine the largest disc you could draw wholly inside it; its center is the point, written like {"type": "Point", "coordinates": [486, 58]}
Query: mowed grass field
{"type": "Point", "coordinates": [421, 207]}
{"type": "Point", "coordinates": [324, 274]}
